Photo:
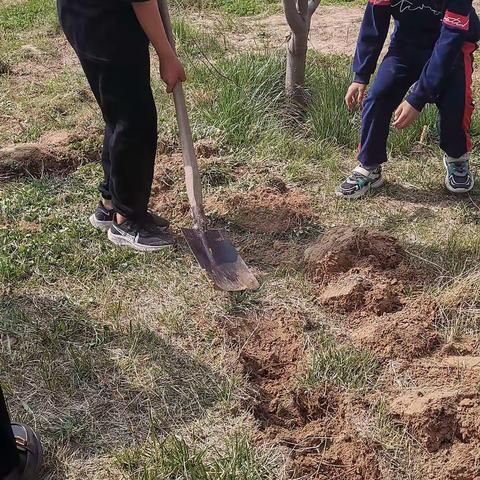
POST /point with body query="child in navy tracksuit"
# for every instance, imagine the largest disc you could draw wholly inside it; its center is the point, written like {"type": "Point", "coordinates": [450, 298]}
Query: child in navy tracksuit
{"type": "Point", "coordinates": [430, 60]}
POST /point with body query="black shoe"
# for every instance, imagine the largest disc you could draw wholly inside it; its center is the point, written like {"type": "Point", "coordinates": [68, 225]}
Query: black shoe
{"type": "Point", "coordinates": [30, 453]}
{"type": "Point", "coordinates": [102, 218]}
{"type": "Point", "coordinates": [144, 236]}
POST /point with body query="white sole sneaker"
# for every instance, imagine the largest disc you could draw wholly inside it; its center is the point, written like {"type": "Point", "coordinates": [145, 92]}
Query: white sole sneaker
{"type": "Point", "coordinates": [122, 241]}
{"type": "Point", "coordinates": [363, 191]}
{"type": "Point", "coordinates": [457, 190]}
{"type": "Point", "coordinates": [104, 226]}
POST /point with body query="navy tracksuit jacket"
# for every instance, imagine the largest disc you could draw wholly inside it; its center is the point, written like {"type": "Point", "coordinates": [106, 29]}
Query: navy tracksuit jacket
{"type": "Point", "coordinates": [432, 49]}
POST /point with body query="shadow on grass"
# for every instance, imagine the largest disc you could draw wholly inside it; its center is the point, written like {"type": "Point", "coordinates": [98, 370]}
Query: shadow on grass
{"type": "Point", "coordinates": [90, 388]}
{"type": "Point", "coordinates": [439, 196]}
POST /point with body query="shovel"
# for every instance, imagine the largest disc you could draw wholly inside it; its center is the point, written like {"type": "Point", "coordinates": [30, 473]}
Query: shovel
{"type": "Point", "coordinates": [212, 248]}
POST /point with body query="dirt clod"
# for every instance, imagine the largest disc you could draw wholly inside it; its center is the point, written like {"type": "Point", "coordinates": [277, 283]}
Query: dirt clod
{"type": "Point", "coordinates": [346, 294]}
{"type": "Point", "coordinates": [438, 416]}
{"type": "Point", "coordinates": [206, 148]}
{"type": "Point", "coordinates": [343, 248]}
{"type": "Point", "coordinates": [406, 334]}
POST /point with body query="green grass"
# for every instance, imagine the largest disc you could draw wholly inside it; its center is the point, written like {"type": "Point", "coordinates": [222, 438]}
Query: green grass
{"type": "Point", "coordinates": [235, 7]}
{"type": "Point", "coordinates": [27, 15]}
{"type": "Point", "coordinates": [173, 457]}
{"type": "Point", "coordinates": [335, 363]}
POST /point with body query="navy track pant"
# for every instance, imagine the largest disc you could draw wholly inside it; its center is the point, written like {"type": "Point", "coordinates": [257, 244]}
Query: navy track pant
{"type": "Point", "coordinates": [400, 69]}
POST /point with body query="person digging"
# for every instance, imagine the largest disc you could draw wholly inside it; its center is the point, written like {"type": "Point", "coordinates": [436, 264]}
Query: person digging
{"type": "Point", "coordinates": [21, 454]}
{"type": "Point", "coordinates": [111, 39]}
{"type": "Point", "coordinates": [430, 60]}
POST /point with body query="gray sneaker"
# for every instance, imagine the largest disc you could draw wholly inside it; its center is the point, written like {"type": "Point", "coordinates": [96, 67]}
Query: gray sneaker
{"type": "Point", "coordinates": [360, 182]}
{"type": "Point", "coordinates": [144, 236]}
{"type": "Point", "coordinates": [458, 179]}
{"type": "Point", "coordinates": [102, 218]}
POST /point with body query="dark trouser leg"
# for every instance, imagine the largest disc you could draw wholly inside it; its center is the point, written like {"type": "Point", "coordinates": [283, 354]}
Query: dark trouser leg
{"type": "Point", "coordinates": [8, 451]}
{"type": "Point", "coordinates": [395, 76]}
{"type": "Point", "coordinates": [106, 163]}
{"type": "Point", "coordinates": [92, 71]}
{"type": "Point", "coordinates": [125, 97]}
{"type": "Point", "coordinates": [455, 106]}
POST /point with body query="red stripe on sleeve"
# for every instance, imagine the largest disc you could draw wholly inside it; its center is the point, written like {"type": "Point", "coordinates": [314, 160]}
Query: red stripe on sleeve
{"type": "Point", "coordinates": [380, 3]}
{"type": "Point", "coordinates": [455, 20]}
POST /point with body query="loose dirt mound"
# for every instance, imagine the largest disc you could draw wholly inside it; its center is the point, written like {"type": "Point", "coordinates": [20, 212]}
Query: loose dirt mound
{"type": "Point", "coordinates": [344, 248]}
{"type": "Point", "coordinates": [447, 422]}
{"type": "Point", "coordinates": [364, 274]}
{"type": "Point", "coordinates": [405, 335]}
{"type": "Point", "coordinates": [314, 424]}
{"type": "Point", "coordinates": [51, 154]}
{"type": "Point", "coordinates": [272, 357]}
{"type": "Point", "coordinates": [270, 210]}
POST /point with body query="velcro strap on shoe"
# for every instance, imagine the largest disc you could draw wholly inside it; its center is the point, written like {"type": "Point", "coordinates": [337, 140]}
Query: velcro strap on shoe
{"type": "Point", "coordinates": [464, 158]}
{"type": "Point", "coordinates": [362, 171]}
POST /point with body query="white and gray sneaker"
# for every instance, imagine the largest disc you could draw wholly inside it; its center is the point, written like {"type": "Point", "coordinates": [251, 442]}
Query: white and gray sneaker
{"type": "Point", "coordinates": [360, 182]}
{"type": "Point", "coordinates": [143, 236]}
{"type": "Point", "coordinates": [458, 179]}
{"type": "Point", "coordinates": [102, 218]}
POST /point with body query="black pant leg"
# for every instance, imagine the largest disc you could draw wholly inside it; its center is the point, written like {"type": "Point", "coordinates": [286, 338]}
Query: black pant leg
{"type": "Point", "coordinates": [93, 72]}
{"type": "Point", "coordinates": [8, 450]}
{"type": "Point", "coordinates": [106, 163]}
{"type": "Point", "coordinates": [125, 97]}
{"type": "Point", "coordinates": [128, 104]}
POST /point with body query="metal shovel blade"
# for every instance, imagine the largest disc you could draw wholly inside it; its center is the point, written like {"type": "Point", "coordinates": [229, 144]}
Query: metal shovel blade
{"type": "Point", "coordinates": [216, 254]}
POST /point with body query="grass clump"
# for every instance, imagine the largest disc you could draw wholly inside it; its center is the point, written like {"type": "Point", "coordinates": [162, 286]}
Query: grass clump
{"type": "Point", "coordinates": [459, 306]}
{"type": "Point", "coordinates": [328, 118]}
{"type": "Point", "coordinates": [174, 458]}
{"type": "Point", "coordinates": [247, 91]}
{"type": "Point", "coordinates": [28, 15]}
{"type": "Point", "coordinates": [341, 364]}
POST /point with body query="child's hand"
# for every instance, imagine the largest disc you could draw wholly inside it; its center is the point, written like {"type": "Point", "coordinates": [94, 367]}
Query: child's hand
{"type": "Point", "coordinates": [171, 71]}
{"type": "Point", "coordinates": [355, 94]}
{"type": "Point", "coordinates": [405, 115]}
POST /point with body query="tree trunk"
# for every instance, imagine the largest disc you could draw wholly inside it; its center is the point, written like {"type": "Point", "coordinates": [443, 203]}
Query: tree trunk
{"type": "Point", "coordinates": [299, 15]}
{"type": "Point", "coordinates": [296, 61]}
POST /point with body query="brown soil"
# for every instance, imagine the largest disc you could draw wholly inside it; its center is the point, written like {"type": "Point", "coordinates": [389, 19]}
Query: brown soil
{"type": "Point", "coordinates": [364, 273]}
{"type": "Point", "coordinates": [342, 249]}
{"type": "Point", "coordinates": [403, 335]}
{"type": "Point", "coordinates": [315, 424]}
{"type": "Point", "coordinates": [363, 276]}
{"type": "Point", "coordinates": [334, 29]}
{"type": "Point", "coordinates": [438, 417]}
{"type": "Point", "coordinates": [52, 153]}
{"type": "Point", "coordinates": [270, 210]}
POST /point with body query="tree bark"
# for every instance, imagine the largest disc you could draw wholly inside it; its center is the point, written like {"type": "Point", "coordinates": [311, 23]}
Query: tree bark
{"type": "Point", "coordinates": [296, 64]}
{"type": "Point", "coordinates": [299, 14]}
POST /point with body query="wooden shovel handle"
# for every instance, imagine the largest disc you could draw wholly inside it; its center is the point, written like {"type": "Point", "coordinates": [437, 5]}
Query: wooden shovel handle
{"type": "Point", "coordinates": [192, 174]}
